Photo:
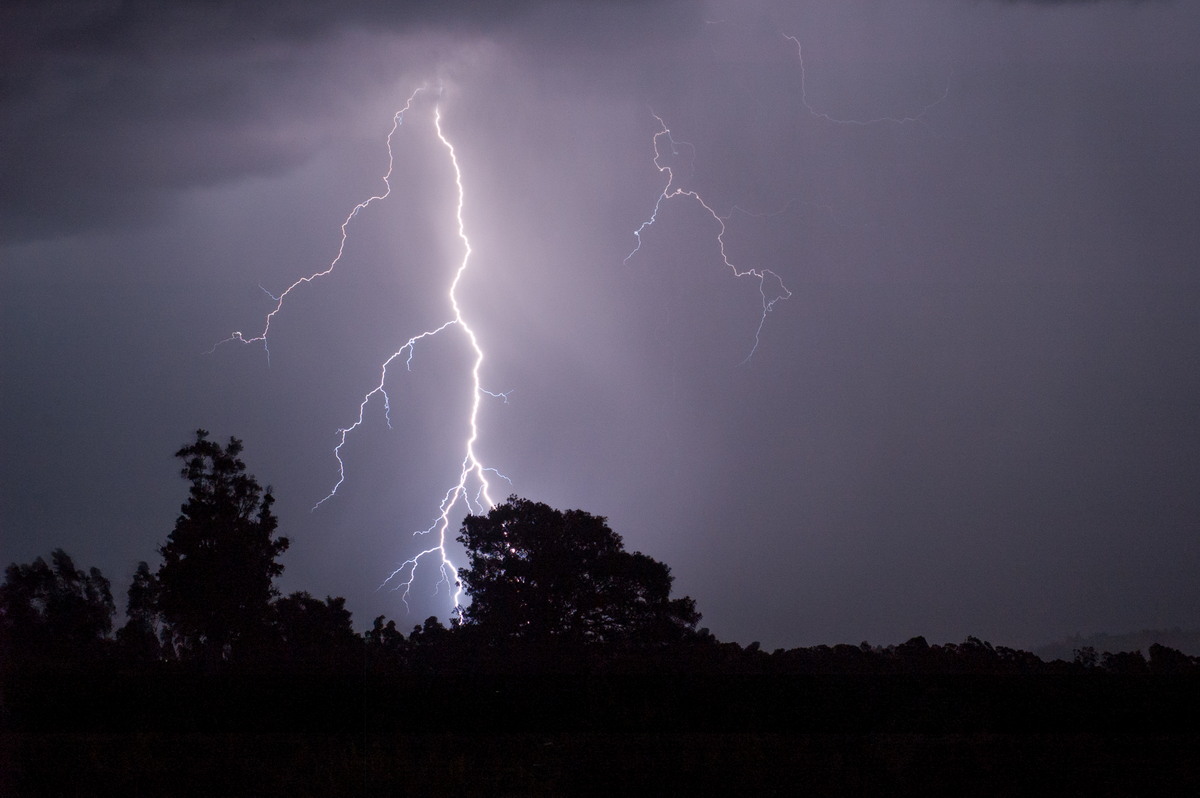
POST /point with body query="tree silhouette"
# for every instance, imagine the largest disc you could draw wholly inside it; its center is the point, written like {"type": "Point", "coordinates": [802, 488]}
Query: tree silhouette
{"type": "Point", "coordinates": [215, 584]}
{"type": "Point", "coordinates": [53, 610]}
{"type": "Point", "coordinates": [315, 633]}
{"type": "Point", "coordinates": [139, 637]}
{"type": "Point", "coordinates": [538, 574]}
{"type": "Point", "coordinates": [384, 646]}
{"type": "Point", "coordinates": [1124, 662]}
{"type": "Point", "coordinates": [1171, 660]}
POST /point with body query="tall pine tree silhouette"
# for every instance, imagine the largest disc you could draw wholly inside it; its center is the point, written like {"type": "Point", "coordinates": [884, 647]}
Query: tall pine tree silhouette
{"type": "Point", "coordinates": [216, 581]}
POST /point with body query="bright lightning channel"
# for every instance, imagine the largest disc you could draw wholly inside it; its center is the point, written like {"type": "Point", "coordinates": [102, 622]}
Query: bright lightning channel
{"type": "Point", "coordinates": [471, 492]}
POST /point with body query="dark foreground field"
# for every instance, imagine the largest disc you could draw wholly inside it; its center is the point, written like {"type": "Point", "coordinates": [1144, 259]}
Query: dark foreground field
{"type": "Point", "coordinates": [1091, 734]}
{"type": "Point", "coordinates": [610, 764]}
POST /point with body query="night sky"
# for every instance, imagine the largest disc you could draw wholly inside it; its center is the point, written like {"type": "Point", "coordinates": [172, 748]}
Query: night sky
{"type": "Point", "coordinates": [978, 413]}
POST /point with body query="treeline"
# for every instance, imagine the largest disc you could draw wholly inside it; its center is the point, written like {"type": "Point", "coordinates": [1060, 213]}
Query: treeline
{"type": "Point", "coordinates": [570, 657]}
{"type": "Point", "coordinates": [549, 591]}
{"type": "Point", "coordinates": [1186, 640]}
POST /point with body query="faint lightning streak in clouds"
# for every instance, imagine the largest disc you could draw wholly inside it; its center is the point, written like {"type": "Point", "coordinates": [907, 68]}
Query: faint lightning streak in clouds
{"type": "Point", "coordinates": [898, 120]}
{"type": "Point", "coordinates": [777, 290]}
{"type": "Point", "coordinates": [769, 298]}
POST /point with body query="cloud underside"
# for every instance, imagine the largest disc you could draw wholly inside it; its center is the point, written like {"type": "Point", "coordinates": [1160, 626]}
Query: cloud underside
{"type": "Point", "coordinates": [109, 109]}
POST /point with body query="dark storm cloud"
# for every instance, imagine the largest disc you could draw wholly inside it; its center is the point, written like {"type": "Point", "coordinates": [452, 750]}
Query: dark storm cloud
{"type": "Point", "coordinates": [109, 109]}
{"type": "Point", "coordinates": [131, 25]}
{"type": "Point", "coordinates": [1074, 2]}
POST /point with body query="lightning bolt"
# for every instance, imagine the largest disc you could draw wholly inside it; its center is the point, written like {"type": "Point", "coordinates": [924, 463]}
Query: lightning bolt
{"type": "Point", "coordinates": [472, 474]}
{"type": "Point", "coordinates": [770, 285]}
{"type": "Point", "coordinates": [237, 336]}
{"type": "Point", "coordinates": [471, 491]}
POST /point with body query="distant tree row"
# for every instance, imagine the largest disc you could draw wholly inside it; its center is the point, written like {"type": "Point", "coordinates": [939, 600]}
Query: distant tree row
{"type": "Point", "coordinates": [548, 590]}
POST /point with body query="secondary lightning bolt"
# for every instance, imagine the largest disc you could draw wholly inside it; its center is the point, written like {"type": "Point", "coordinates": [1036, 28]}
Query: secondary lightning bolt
{"type": "Point", "coordinates": [471, 490]}
{"type": "Point", "coordinates": [397, 120]}
{"type": "Point", "coordinates": [770, 285]}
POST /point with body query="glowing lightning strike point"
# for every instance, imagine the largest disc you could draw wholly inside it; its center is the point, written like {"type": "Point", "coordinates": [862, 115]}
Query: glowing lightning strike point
{"type": "Point", "coordinates": [770, 296]}
{"type": "Point", "coordinates": [472, 488]}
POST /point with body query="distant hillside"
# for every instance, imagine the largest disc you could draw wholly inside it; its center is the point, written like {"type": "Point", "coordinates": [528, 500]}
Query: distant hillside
{"type": "Point", "coordinates": [1185, 640]}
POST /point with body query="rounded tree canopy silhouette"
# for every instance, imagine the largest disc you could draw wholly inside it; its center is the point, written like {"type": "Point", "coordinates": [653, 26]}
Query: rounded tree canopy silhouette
{"type": "Point", "coordinates": [539, 574]}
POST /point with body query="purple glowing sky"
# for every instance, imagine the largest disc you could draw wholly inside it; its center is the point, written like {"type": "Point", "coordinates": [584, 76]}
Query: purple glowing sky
{"type": "Point", "coordinates": [976, 414]}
